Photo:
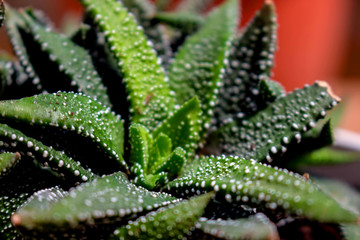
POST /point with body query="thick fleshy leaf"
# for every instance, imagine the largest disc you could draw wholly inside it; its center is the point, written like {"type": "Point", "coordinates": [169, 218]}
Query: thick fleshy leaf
{"type": "Point", "coordinates": [350, 231]}
{"type": "Point", "coordinates": [74, 114]}
{"type": "Point", "coordinates": [197, 67]}
{"type": "Point", "coordinates": [183, 127]}
{"type": "Point", "coordinates": [24, 179]}
{"type": "Point", "coordinates": [270, 131]}
{"type": "Point", "coordinates": [2, 12]}
{"type": "Point", "coordinates": [144, 77]}
{"type": "Point", "coordinates": [248, 64]}
{"type": "Point", "coordinates": [171, 222]}
{"type": "Point", "coordinates": [107, 200]}
{"type": "Point", "coordinates": [72, 61]}
{"type": "Point", "coordinates": [255, 227]}
{"type": "Point", "coordinates": [7, 161]}
{"type": "Point", "coordinates": [243, 181]}
{"type": "Point", "coordinates": [57, 161]}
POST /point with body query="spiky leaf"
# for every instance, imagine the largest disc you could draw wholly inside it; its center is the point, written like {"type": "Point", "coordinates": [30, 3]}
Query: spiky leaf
{"type": "Point", "coordinates": [73, 61]}
{"type": "Point", "coordinates": [145, 80]}
{"type": "Point", "coordinates": [249, 63]}
{"type": "Point", "coordinates": [108, 199]}
{"type": "Point", "coordinates": [271, 130]}
{"type": "Point", "coordinates": [7, 161]}
{"type": "Point", "coordinates": [171, 222]}
{"type": "Point", "coordinates": [74, 113]}
{"type": "Point", "coordinates": [242, 181]}
{"type": "Point", "coordinates": [255, 227]}
{"type": "Point", "coordinates": [197, 67]}
{"type": "Point", "coordinates": [183, 127]}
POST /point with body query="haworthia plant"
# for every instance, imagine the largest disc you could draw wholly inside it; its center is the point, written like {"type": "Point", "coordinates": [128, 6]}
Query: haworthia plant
{"type": "Point", "coordinates": [185, 158]}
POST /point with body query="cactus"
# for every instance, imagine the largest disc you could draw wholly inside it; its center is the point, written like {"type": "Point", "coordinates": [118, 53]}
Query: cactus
{"type": "Point", "coordinates": [103, 136]}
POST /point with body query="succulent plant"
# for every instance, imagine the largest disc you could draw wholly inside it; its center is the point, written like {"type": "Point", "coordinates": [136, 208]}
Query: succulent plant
{"type": "Point", "coordinates": [145, 124]}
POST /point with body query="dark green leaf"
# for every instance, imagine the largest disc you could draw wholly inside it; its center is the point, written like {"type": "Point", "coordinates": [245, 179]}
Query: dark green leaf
{"type": "Point", "coordinates": [171, 222]}
{"type": "Point", "coordinates": [194, 7]}
{"type": "Point", "coordinates": [248, 182]}
{"type": "Point", "coordinates": [105, 200]}
{"type": "Point", "coordinates": [187, 23]}
{"type": "Point", "coordinates": [249, 65]}
{"type": "Point", "coordinates": [270, 131]}
{"type": "Point", "coordinates": [2, 12]}
{"type": "Point", "coordinates": [75, 114]}
{"type": "Point", "coordinates": [59, 163]}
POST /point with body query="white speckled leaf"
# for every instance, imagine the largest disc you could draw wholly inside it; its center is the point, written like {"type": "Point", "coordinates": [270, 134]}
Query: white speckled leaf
{"type": "Point", "coordinates": [269, 131]}
{"type": "Point", "coordinates": [196, 70]}
{"type": "Point", "coordinates": [250, 61]}
{"type": "Point", "coordinates": [171, 222]}
{"type": "Point", "coordinates": [72, 112]}
{"type": "Point", "coordinates": [243, 181]}
{"type": "Point", "coordinates": [108, 200]}
{"type": "Point", "coordinates": [144, 77]}
{"type": "Point", "coordinates": [255, 227]}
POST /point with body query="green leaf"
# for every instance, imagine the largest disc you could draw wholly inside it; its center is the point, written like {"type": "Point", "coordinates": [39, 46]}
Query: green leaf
{"type": "Point", "coordinates": [59, 163]}
{"type": "Point", "coordinates": [7, 161]}
{"type": "Point", "coordinates": [255, 227]}
{"type": "Point", "coordinates": [186, 22]}
{"type": "Point", "coordinates": [268, 132]}
{"type": "Point", "coordinates": [153, 162]}
{"type": "Point", "coordinates": [73, 61]}
{"type": "Point", "coordinates": [2, 12]}
{"type": "Point", "coordinates": [246, 86]}
{"type": "Point", "coordinates": [183, 127]}
{"type": "Point", "coordinates": [196, 70]}
{"type": "Point", "coordinates": [107, 200]}
{"type": "Point", "coordinates": [76, 115]}
{"type": "Point", "coordinates": [144, 77]}
{"type": "Point", "coordinates": [247, 182]}
{"type": "Point", "coordinates": [350, 231]}
{"type": "Point", "coordinates": [171, 222]}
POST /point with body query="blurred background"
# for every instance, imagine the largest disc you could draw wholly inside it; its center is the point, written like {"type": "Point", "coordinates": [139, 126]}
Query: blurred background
{"type": "Point", "coordinates": [318, 40]}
